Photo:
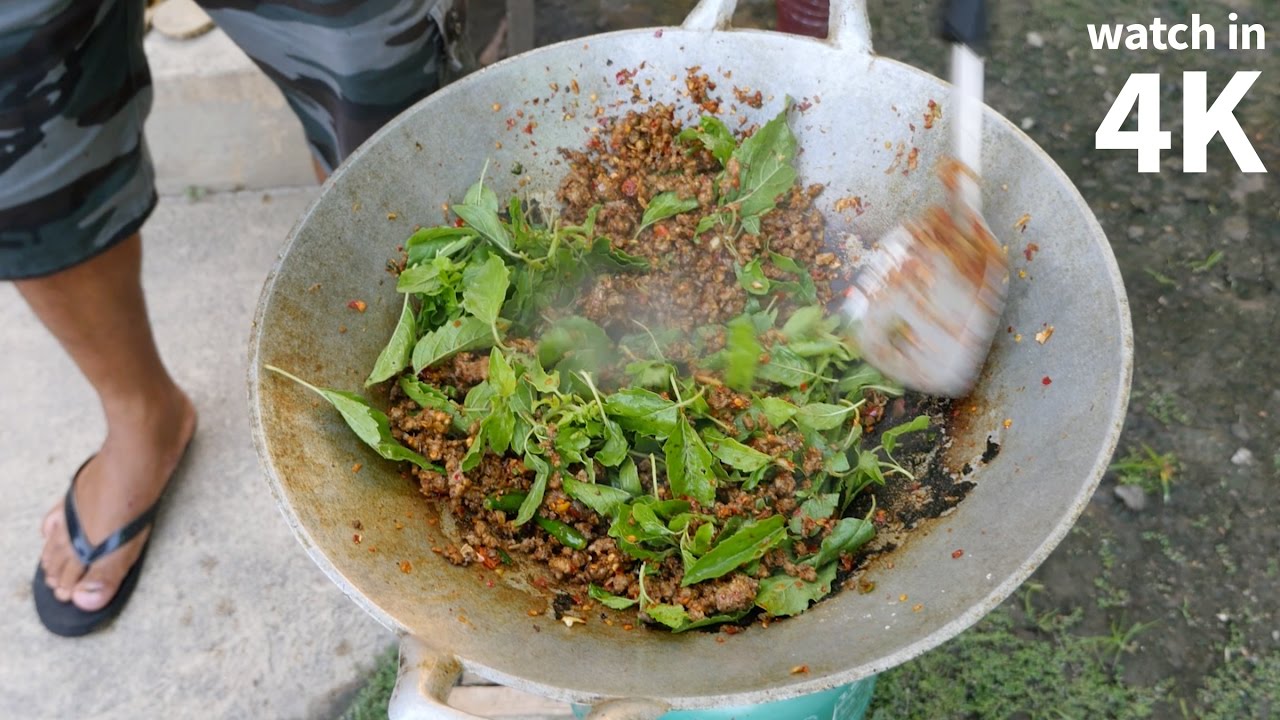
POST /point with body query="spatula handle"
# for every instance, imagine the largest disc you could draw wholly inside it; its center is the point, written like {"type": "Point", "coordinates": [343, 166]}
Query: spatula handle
{"type": "Point", "coordinates": [965, 26]}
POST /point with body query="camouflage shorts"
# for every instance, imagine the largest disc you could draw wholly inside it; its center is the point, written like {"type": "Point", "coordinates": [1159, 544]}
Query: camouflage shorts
{"type": "Point", "coordinates": [75, 176]}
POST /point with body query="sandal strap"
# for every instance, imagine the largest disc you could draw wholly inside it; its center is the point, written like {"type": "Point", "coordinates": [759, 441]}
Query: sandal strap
{"type": "Point", "coordinates": [86, 551]}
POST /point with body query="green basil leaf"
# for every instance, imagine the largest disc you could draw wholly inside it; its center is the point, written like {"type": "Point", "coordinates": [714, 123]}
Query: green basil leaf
{"type": "Point", "coordinates": [787, 264]}
{"type": "Point", "coordinates": [673, 616]}
{"type": "Point", "coordinates": [615, 445]}
{"type": "Point", "coordinates": [453, 337]}
{"type": "Point", "coordinates": [430, 398]}
{"type": "Point", "coordinates": [752, 278]}
{"type": "Point", "coordinates": [628, 478]}
{"type": "Point", "coordinates": [604, 258]}
{"type": "Point", "coordinates": [444, 241]}
{"type": "Point", "coordinates": [782, 595]}
{"type": "Point", "coordinates": [735, 454]}
{"type": "Point", "coordinates": [500, 426]}
{"type": "Point", "coordinates": [750, 542]}
{"type": "Point", "coordinates": [485, 220]}
{"type": "Point", "coordinates": [785, 367]}
{"type": "Point", "coordinates": [742, 354]}
{"type": "Point", "coordinates": [369, 424]}
{"type": "Point", "coordinates": [822, 416]}
{"type": "Point", "coordinates": [475, 453]}
{"type": "Point", "coordinates": [818, 507]}
{"type": "Point", "coordinates": [533, 500]}
{"type": "Point", "coordinates": [669, 508]}
{"type": "Point", "coordinates": [647, 518]}
{"type": "Point", "coordinates": [766, 172]}
{"type": "Point", "coordinates": [577, 343]}
{"type": "Point", "coordinates": [862, 377]}
{"type": "Point", "coordinates": [602, 499]}
{"type": "Point", "coordinates": [848, 535]}
{"type": "Point", "coordinates": [689, 465]}
{"type": "Point", "coordinates": [663, 206]}
{"type": "Point", "coordinates": [706, 223]}
{"type": "Point", "coordinates": [714, 135]}
{"type": "Point", "coordinates": [890, 437]}
{"type": "Point", "coordinates": [501, 376]}
{"type": "Point", "coordinates": [708, 621]}
{"type": "Point", "coordinates": [608, 599]}
{"type": "Point", "coordinates": [431, 278]}
{"type": "Point", "coordinates": [486, 289]}
{"type": "Point", "coordinates": [701, 542]}
{"type": "Point", "coordinates": [395, 356]}
{"type": "Point", "coordinates": [836, 462]}
{"type": "Point", "coordinates": [480, 196]}
{"type": "Point", "coordinates": [643, 411]}
{"type": "Point", "coordinates": [806, 323]}
{"type": "Point", "coordinates": [651, 373]}
{"type": "Point", "coordinates": [776, 410]}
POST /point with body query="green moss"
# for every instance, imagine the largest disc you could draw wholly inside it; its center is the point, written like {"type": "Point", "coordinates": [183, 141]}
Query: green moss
{"type": "Point", "coordinates": [1005, 668]}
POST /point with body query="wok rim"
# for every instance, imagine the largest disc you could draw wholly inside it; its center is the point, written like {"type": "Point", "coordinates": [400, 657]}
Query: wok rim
{"type": "Point", "coordinates": [786, 688]}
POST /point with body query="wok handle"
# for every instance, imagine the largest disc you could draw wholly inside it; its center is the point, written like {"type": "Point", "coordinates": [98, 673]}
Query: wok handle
{"type": "Point", "coordinates": [422, 686]}
{"type": "Point", "coordinates": [427, 676]}
{"type": "Point", "coordinates": [848, 29]}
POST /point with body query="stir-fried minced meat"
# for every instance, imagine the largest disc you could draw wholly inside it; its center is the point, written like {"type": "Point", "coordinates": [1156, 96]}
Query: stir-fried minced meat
{"type": "Point", "coordinates": [691, 284]}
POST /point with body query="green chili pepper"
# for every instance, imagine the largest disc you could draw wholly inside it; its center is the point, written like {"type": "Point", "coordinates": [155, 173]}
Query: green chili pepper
{"type": "Point", "coordinates": [567, 536]}
{"type": "Point", "coordinates": [506, 502]}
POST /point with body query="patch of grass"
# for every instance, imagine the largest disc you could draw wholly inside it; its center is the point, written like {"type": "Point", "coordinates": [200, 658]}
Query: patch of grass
{"type": "Point", "coordinates": [371, 702]}
{"type": "Point", "coordinates": [1207, 264]}
{"type": "Point", "coordinates": [1247, 688]}
{"type": "Point", "coordinates": [1164, 407]}
{"type": "Point", "coordinates": [1148, 470]}
{"type": "Point", "coordinates": [1173, 554]}
{"type": "Point", "coordinates": [1004, 668]}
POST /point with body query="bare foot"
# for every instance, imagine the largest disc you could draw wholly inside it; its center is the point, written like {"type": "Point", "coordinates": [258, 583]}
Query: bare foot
{"type": "Point", "coordinates": [142, 449]}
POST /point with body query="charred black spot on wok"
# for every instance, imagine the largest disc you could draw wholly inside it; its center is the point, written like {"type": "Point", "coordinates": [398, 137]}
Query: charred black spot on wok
{"type": "Point", "coordinates": [993, 449]}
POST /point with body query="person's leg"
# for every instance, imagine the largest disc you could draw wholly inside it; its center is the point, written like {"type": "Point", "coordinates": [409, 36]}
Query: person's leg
{"type": "Point", "coordinates": [97, 311]}
{"type": "Point", "coordinates": [76, 184]}
{"type": "Point", "coordinates": [346, 68]}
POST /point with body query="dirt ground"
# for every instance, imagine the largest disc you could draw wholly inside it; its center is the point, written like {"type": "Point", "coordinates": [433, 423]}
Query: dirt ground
{"type": "Point", "coordinates": [1155, 606]}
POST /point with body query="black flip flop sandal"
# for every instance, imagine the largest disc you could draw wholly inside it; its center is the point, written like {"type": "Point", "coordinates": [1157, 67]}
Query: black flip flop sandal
{"type": "Point", "coordinates": [64, 618]}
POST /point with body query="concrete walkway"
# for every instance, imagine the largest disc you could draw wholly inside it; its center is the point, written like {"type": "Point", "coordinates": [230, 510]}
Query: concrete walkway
{"type": "Point", "coordinates": [231, 619]}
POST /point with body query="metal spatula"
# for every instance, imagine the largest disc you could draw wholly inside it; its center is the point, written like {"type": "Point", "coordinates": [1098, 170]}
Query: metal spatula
{"type": "Point", "coordinates": [925, 306]}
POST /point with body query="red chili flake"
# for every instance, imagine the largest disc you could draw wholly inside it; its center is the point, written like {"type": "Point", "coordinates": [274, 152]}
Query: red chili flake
{"type": "Point", "coordinates": [804, 106]}
{"type": "Point", "coordinates": [406, 567]}
{"type": "Point", "coordinates": [661, 231]}
{"type": "Point", "coordinates": [488, 583]}
{"type": "Point", "coordinates": [957, 554]}
{"type": "Point", "coordinates": [1031, 251]}
{"type": "Point", "coordinates": [458, 222]}
{"type": "Point", "coordinates": [800, 670]}
{"type": "Point", "coordinates": [624, 76]}
{"type": "Point", "coordinates": [355, 538]}
{"type": "Point", "coordinates": [528, 129]}
{"type": "Point", "coordinates": [804, 386]}
{"type": "Point", "coordinates": [657, 33]}
{"type": "Point", "coordinates": [540, 583]}
{"type": "Point", "coordinates": [357, 305]}
{"type": "Point", "coordinates": [630, 187]}
{"type": "Point", "coordinates": [1046, 380]}
{"type": "Point", "coordinates": [511, 123]}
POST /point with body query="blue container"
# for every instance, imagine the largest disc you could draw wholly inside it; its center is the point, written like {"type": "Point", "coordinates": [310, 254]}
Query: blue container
{"type": "Point", "coordinates": [847, 702]}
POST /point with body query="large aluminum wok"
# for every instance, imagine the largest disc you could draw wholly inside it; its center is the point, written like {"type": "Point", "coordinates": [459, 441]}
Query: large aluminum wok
{"type": "Point", "coordinates": [862, 108]}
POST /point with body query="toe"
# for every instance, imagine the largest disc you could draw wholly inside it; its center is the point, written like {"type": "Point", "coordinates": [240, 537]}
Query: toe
{"type": "Point", "coordinates": [93, 592]}
{"type": "Point", "coordinates": [68, 575]}
{"type": "Point", "coordinates": [100, 583]}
